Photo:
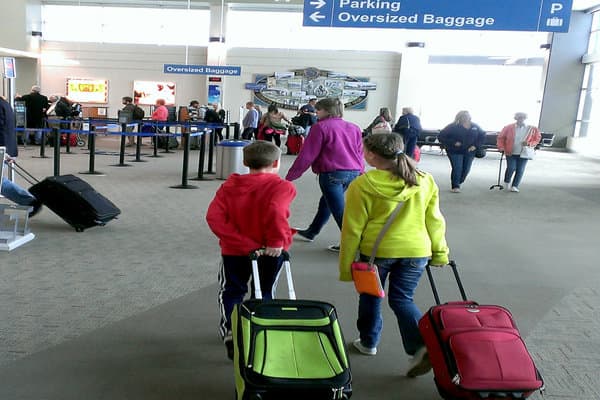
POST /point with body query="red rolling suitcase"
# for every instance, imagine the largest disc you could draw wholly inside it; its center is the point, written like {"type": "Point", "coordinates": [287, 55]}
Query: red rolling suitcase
{"type": "Point", "coordinates": [294, 144]}
{"type": "Point", "coordinates": [476, 350]}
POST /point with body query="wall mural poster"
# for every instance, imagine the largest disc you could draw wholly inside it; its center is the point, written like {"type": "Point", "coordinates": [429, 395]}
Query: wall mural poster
{"type": "Point", "coordinates": [292, 89]}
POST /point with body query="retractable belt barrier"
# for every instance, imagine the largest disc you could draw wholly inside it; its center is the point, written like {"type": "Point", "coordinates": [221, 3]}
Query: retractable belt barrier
{"type": "Point", "coordinates": [106, 127]}
{"type": "Point", "coordinates": [44, 131]}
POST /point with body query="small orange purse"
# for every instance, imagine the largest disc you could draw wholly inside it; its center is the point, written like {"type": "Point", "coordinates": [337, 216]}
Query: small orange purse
{"type": "Point", "coordinates": [366, 279]}
{"type": "Point", "coordinates": [366, 274]}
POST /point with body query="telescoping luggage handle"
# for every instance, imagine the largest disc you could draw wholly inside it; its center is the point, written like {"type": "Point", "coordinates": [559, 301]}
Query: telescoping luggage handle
{"type": "Point", "coordinates": [256, 278]}
{"type": "Point", "coordinates": [23, 173]}
{"type": "Point", "coordinates": [456, 276]}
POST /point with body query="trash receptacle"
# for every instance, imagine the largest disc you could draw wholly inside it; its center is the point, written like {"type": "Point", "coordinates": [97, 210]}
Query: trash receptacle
{"type": "Point", "coordinates": [230, 158]}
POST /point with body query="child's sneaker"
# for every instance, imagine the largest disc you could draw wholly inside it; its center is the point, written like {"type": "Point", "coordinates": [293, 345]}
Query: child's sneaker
{"type": "Point", "coordinates": [419, 364]}
{"type": "Point", "coordinates": [228, 340]}
{"type": "Point", "coordinates": [334, 247]}
{"type": "Point", "coordinates": [368, 351]}
{"type": "Point", "coordinates": [304, 236]}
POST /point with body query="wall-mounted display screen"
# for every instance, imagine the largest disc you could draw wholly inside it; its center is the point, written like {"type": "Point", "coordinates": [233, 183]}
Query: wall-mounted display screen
{"type": "Point", "coordinates": [83, 90]}
{"type": "Point", "coordinates": [147, 92]}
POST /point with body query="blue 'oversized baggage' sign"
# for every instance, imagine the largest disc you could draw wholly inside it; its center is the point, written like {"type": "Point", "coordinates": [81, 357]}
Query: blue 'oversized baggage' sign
{"type": "Point", "coordinates": [495, 15]}
{"type": "Point", "coordinates": [226, 70]}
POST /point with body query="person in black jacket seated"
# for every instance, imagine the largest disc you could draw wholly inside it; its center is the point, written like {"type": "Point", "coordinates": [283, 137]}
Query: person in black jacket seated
{"type": "Point", "coordinates": [460, 139]}
{"type": "Point", "coordinates": [8, 139]}
{"type": "Point", "coordinates": [409, 126]}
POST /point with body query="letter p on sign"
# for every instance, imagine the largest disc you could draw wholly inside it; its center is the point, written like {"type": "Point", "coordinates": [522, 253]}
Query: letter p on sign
{"type": "Point", "coordinates": [555, 7]}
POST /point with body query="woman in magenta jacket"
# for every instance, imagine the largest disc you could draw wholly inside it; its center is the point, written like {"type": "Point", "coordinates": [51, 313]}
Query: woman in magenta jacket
{"type": "Point", "coordinates": [334, 152]}
{"type": "Point", "coordinates": [511, 140]}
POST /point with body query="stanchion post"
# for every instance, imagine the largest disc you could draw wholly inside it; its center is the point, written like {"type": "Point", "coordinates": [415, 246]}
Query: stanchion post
{"type": "Point", "coordinates": [211, 150]}
{"type": "Point", "coordinates": [185, 141]}
{"type": "Point", "coordinates": [227, 128]}
{"type": "Point", "coordinates": [92, 147]}
{"type": "Point", "coordinates": [168, 138]}
{"type": "Point", "coordinates": [56, 151]}
{"type": "Point", "coordinates": [236, 131]}
{"type": "Point", "coordinates": [155, 142]}
{"type": "Point", "coordinates": [123, 140]}
{"type": "Point", "coordinates": [201, 155]}
{"type": "Point", "coordinates": [43, 145]}
{"type": "Point", "coordinates": [122, 148]}
{"type": "Point", "coordinates": [138, 144]}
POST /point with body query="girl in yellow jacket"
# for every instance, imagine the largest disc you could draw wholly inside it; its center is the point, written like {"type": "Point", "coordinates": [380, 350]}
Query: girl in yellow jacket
{"type": "Point", "coordinates": [416, 236]}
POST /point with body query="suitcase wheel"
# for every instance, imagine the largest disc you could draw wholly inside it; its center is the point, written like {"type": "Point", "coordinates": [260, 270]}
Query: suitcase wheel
{"type": "Point", "coordinates": [78, 229]}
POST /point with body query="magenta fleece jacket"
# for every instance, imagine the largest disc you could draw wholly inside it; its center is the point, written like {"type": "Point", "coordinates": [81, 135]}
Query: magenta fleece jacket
{"type": "Point", "coordinates": [332, 145]}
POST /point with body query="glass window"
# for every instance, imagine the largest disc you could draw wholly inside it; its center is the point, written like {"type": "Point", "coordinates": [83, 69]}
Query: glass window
{"type": "Point", "coordinates": [126, 25]}
{"type": "Point", "coordinates": [491, 94]}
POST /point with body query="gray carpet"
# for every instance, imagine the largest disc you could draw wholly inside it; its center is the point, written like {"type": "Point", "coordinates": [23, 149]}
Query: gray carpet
{"type": "Point", "coordinates": [128, 311]}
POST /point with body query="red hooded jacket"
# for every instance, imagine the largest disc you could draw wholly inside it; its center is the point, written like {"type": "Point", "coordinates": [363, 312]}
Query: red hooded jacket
{"type": "Point", "coordinates": [251, 211]}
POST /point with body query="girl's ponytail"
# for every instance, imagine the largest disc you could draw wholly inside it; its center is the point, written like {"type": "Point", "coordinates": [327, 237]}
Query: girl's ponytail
{"type": "Point", "coordinates": [390, 146]}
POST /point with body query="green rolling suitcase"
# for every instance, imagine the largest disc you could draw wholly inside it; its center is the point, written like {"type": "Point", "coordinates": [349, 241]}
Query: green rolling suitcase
{"type": "Point", "coordinates": [288, 349]}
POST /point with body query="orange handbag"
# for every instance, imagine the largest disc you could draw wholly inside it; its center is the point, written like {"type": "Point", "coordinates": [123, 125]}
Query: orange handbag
{"type": "Point", "coordinates": [366, 274]}
{"type": "Point", "coordinates": [366, 279]}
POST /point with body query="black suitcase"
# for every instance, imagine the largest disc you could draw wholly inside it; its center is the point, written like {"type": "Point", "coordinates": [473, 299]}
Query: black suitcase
{"type": "Point", "coordinates": [75, 201]}
{"type": "Point", "coordinates": [72, 199]}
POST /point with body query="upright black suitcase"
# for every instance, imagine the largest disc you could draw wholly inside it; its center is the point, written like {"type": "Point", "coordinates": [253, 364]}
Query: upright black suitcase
{"type": "Point", "coordinates": [75, 201]}
{"type": "Point", "coordinates": [72, 199]}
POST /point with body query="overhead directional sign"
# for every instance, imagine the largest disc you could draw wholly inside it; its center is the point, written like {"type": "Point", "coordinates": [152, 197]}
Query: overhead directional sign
{"type": "Point", "coordinates": [494, 15]}
{"type": "Point", "coordinates": [227, 70]}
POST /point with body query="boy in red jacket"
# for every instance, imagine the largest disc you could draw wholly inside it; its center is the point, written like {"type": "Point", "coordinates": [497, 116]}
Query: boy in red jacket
{"type": "Point", "coordinates": [250, 212]}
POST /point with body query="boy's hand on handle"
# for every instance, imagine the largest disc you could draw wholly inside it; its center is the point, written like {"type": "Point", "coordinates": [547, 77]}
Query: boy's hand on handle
{"type": "Point", "coordinates": [273, 251]}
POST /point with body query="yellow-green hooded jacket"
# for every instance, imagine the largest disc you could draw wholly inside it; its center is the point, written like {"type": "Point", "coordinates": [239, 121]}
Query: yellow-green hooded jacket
{"type": "Point", "coordinates": [419, 230]}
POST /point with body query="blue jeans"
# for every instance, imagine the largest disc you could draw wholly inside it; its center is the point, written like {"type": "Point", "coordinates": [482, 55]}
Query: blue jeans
{"type": "Point", "coordinates": [461, 165]}
{"type": "Point", "coordinates": [404, 274]}
{"type": "Point", "coordinates": [333, 185]}
{"type": "Point", "coordinates": [16, 193]}
{"type": "Point", "coordinates": [514, 165]}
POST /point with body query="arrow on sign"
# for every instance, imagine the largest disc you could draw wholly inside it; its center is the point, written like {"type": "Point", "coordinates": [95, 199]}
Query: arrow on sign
{"type": "Point", "coordinates": [316, 16]}
{"type": "Point", "coordinates": [318, 4]}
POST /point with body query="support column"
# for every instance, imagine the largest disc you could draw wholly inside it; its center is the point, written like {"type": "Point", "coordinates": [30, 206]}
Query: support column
{"type": "Point", "coordinates": [564, 79]}
{"type": "Point", "coordinates": [413, 65]}
{"type": "Point", "coordinates": [216, 53]}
